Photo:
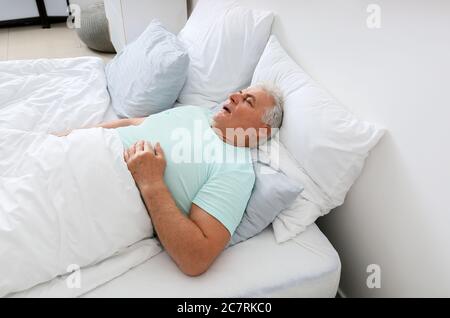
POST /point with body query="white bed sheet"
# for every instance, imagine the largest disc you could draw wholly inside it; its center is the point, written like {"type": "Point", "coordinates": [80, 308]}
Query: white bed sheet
{"type": "Point", "coordinates": [306, 266]}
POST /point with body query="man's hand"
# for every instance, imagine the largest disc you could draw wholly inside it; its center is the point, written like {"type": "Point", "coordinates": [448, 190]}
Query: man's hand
{"type": "Point", "coordinates": [62, 134]}
{"type": "Point", "coordinates": [146, 164]}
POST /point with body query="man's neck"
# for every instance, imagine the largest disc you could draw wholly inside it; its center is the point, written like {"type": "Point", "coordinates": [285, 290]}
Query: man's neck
{"type": "Point", "coordinates": [222, 135]}
{"type": "Point", "coordinates": [231, 140]}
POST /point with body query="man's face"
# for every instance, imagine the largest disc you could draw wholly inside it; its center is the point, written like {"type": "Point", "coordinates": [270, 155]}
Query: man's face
{"type": "Point", "coordinates": [244, 109]}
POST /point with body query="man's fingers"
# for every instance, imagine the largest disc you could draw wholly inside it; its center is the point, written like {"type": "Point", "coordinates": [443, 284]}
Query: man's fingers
{"type": "Point", "coordinates": [132, 149]}
{"type": "Point", "coordinates": [148, 146]}
{"type": "Point", "coordinates": [140, 145]}
{"type": "Point", "coordinates": [145, 146]}
{"type": "Point", "coordinates": [158, 150]}
{"type": "Point", "coordinates": [125, 154]}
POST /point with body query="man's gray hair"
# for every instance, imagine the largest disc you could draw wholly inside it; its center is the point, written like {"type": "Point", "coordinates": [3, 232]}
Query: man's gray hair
{"type": "Point", "coordinates": [273, 116]}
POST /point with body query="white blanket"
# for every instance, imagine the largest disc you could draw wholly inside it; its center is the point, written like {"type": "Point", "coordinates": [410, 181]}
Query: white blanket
{"type": "Point", "coordinates": [63, 200]}
{"type": "Point", "coordinates": [51, 95]}
{"type": "Point", "coordinates": [67, 201]}
{"type": "Point", "coordinates": [78, 283]}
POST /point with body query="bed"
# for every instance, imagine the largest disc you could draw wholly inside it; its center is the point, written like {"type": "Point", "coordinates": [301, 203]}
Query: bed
{"type": "Point", "coordinates": [52, 95]}
{"type": "Point", "coordinates": [307, 266]}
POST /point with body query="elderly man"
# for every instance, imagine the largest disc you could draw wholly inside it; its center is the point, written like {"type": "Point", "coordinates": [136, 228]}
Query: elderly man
{"type": "Point", "coordinates": [197, 201]}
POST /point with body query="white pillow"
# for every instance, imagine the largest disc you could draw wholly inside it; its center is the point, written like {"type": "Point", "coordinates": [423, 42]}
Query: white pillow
{"type": "Point", "coordinates": [322, 144]}
{"type": "Point", "coordinates": [146, 77]}
{"type": "Point", "coordinates": [224, 43]}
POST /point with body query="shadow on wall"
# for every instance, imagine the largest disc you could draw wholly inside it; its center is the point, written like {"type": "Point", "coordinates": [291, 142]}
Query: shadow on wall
{"type": "Point", "coordinates": [190, 5]}
{"type": "Point", "coordinates": [382, 198]}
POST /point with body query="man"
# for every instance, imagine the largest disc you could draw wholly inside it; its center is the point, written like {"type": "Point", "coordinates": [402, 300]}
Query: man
{"type": "Point", "coordinates": [197, 199]}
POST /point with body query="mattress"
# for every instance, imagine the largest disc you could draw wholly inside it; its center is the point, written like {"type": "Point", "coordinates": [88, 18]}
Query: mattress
{"type": "Point", "coordinates": [305, 266]}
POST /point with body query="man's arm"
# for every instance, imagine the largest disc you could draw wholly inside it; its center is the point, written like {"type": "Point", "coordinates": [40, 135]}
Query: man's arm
{"type": "Point", "coordinates": [192, 241]}
{"type": "Point", "coordinates": [111, 124]}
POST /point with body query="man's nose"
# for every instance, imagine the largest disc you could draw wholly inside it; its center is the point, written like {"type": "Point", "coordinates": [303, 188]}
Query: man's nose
{"type": "Point", "coordinates": [235, 98]}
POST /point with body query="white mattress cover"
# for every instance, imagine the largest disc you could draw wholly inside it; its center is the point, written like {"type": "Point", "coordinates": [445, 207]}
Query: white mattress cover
{"type": "Point", "coordinates": [306, 266]}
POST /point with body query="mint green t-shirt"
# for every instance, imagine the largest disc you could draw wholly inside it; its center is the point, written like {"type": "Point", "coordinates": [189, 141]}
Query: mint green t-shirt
{"type": "Point", "coordinates": [201, 168]}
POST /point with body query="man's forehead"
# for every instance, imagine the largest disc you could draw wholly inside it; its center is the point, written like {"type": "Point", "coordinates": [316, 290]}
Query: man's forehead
{"type": "Point", "coordinates": [259, 93]}
{"type": "Point", "coordinates": [252, 89]}
{"type": "Point", "coordinates": [256, 92]}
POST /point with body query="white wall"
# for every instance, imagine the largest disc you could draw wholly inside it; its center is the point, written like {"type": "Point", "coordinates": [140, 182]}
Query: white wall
{"type": "Point", "coordinates": [397, 215]}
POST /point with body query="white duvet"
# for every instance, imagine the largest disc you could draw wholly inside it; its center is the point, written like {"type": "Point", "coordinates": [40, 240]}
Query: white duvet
{"type": "Point", "coordinates": [52, 94]}
{"type": "Point", "coordinates": [67, 201]}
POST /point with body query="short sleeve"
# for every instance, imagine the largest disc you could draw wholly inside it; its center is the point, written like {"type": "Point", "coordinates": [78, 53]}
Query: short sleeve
{"type": "Point", "coordinates": [226, 193]}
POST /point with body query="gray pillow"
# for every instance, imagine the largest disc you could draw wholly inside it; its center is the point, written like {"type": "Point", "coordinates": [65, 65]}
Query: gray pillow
{"type": "Point", "coordinates": [147, 76]}
{"type": "Point", "coordinates": [273, 192]}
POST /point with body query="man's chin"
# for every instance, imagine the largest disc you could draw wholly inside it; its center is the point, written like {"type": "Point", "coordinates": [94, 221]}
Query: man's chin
{"type": "Point", "coordinates": [219, 117]}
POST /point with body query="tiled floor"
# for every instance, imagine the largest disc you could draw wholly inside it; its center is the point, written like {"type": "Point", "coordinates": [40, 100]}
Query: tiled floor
{"type": "Point", "coordinates": [30, 42]}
